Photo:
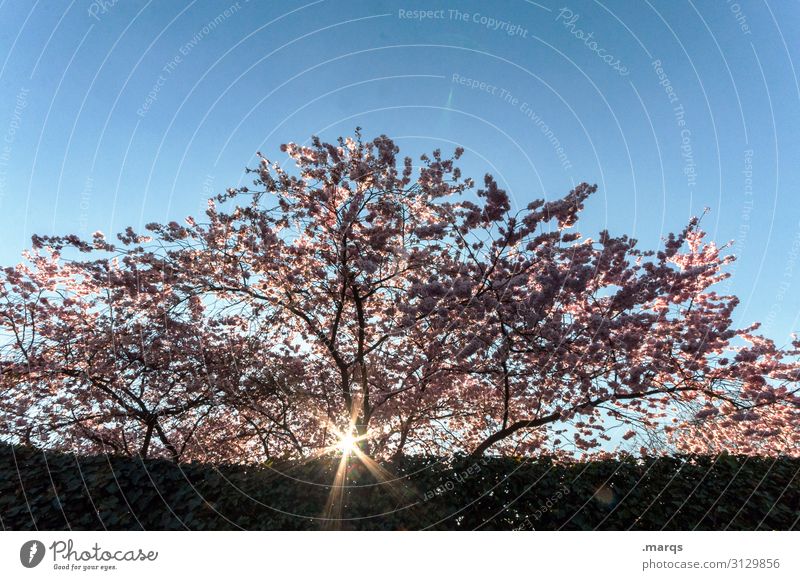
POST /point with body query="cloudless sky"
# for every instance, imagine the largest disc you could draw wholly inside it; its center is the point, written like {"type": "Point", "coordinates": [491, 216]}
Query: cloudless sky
{"type": "Point", "coordinates": [117, 113]}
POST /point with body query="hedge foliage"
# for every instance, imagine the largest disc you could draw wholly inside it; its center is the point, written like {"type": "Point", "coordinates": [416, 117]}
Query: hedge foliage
{"type": "Point", "coordinates": [56, 491]}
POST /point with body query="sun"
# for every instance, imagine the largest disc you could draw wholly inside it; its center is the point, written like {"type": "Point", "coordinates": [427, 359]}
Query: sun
{"type": "Point", "coordinates": [347, 443]}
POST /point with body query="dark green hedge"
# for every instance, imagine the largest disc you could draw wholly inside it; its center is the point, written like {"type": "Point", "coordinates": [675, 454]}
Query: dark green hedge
{"type": "Point", "coordinates": [49, 491]}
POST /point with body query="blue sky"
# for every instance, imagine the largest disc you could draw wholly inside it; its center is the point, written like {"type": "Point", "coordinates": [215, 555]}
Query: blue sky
{"type": "Point", "coordinates": [121, 113]}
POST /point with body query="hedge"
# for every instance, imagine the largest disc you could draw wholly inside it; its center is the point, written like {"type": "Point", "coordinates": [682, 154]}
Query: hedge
{"type": "Point", "coordinates": [59, 491]}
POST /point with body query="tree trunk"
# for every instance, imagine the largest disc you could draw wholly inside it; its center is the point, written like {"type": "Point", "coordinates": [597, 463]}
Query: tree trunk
{"type": "Point", "coordinates": [147, 437]}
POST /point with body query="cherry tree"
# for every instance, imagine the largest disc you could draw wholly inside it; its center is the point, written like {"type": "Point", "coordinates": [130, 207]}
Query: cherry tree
{"type": "Point", "coordinates": [99, 359]}
{"type": "Point", "coordinates": [357, 297]}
